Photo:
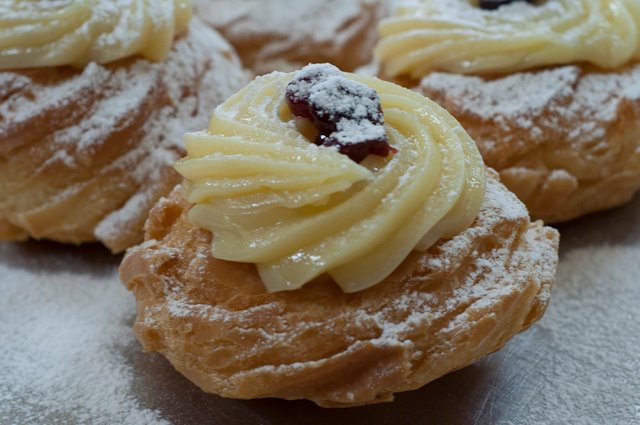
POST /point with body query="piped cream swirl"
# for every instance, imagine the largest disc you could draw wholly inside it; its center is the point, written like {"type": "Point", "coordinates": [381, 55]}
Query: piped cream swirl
{"type": "Point", "coordinates": [297, 211]}
{"type": "Point", "coordinates": [39, 33]}
{"type": "Point", "coordinates": [457, 36]}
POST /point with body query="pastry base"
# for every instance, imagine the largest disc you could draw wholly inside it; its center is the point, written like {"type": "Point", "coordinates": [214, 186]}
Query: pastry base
{"type": "Point", "coordinates": [566, 140]}
{"type": "Point", "coordinates": [439, 311]}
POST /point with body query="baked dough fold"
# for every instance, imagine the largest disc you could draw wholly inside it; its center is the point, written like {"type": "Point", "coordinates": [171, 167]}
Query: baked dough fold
{"type": "Point", "coordinates": [285, 35]}
{"type": "Point", "coordinates": [564, 139]}
{"type": "Point", "coordinates": [439, 311]}
{"type": "Point", "coordinates": [84, 154]}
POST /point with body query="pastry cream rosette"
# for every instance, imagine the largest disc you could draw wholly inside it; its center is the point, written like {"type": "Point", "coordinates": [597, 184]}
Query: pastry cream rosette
{"type": "Point", "coordinates": [298, 211]}
{"type": "Point", "coordinates": [51, 33]}
{"type": "Point", "coordinates": [460, 37]}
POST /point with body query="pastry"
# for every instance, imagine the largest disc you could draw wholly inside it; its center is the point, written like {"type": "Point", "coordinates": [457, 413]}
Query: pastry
{"type": "Point", "coordinates": [334, 275]}
{"type": "Point", "coordinates": [287, 34]}
{"type": "Point", "coordinates": [92, 110]}
{"type": "Point", "coordinates": [550, 91]}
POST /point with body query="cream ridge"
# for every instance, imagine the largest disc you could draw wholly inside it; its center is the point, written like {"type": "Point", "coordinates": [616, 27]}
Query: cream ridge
{"type": "Point", "coordinates": [42, 33]}
{"type": "Point", "coordinates": [458, 36]}
{"type": "Point", "coordinates": [298, 211]}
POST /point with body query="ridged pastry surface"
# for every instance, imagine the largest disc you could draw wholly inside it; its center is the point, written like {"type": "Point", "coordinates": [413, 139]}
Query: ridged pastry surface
{"type": "Point", "coordinates": [285, 35]}
{"type": "Point", "coordinates": [439, 311]}
{"type": "Point", "coordinates": [84, 154]}
{"type": "Point", "coordinates": [460, 37]}
{"type": "Point", "coordinates": [63, 32]}
{"type": "Point", "coordinates": [564, 139]}
{"type": "Point", "coordinates": [298, 210]}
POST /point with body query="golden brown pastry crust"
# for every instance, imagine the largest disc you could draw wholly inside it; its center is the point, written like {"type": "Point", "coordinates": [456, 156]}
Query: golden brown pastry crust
{"type": "Point", "coordinates": [439, 311]}
{"type": "Point", "coordinates": [566, 140]}
{"type": "Point", "coordinates": [9, 232]}
{"type": "Point", "coordinates": [84, 154]}
{"type": "Point", "coordinates": [285, 35]}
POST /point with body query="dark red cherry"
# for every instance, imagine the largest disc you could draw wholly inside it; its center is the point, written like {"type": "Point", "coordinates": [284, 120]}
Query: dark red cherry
{"type": "Point", "coordinates": [297, 94]}
{"type": "Point", "coordinates": [359, 151]}
{"type": "Point", "coordinates": [347, 114]}
{"type": "Point", "coordinates": [299, 107]}
{"type": "Point", "coordinates": [344, 99]}
{"type": "Point", "coordinates": [494, 4]}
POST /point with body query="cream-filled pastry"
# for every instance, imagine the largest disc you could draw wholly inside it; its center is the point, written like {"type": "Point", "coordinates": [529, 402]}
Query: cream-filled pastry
{"type": "Point", "coordinates": [548, 89]}
{"type": "Point", "coordinates": [337, 238]}
{"type": "Point", "coordinates": [87, 148]}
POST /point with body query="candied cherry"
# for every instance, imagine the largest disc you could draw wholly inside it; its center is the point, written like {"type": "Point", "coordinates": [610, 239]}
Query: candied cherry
{"type": "Point", "coordinates": [347, 114]}
{"type": "Point", "coordinates": [494, 4]}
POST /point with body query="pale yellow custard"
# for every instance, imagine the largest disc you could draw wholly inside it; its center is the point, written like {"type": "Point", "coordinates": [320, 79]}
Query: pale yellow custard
{"type": "Point", "coordinates": [458, 36]}
{"type": "Point", "coordinates": [40, 33]}
{"type": "Point", "coordinates": [296, 210]}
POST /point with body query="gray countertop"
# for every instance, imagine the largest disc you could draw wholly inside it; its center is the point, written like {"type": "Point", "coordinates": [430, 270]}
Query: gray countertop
{"type": "Point", "coordinates": [579, 365]}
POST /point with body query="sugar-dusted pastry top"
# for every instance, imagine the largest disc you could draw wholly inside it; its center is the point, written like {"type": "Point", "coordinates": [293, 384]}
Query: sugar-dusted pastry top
{"type": "Point", "coordinates": [285, 35]}
{"type": "Point", "coordinates": [40, 33]}
{"type": "Point", "coordinates": [85, 153]}
{"type": "Point", "coordinates": [564, 139]}
{"type": "Point", "coordinates": [458, 36]}
{"type": "Point", "coordinates": [297, 210]}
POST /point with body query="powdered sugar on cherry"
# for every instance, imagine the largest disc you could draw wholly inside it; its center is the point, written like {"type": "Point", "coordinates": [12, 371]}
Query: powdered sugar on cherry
{"type": "Point", "coordinates": [347, 114]}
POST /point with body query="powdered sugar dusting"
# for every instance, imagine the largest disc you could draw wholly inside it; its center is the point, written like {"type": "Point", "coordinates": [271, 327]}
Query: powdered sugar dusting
{"type": "Point", "coordinates": [161, 14]}
{"type": "Point", "coordinates": [495, 274]}
{"type": "Point", "coordinates": [581, 105]}
{"type": "Point", "coordinates": [511, 209]}
{"type": "Point", "coordinates": [338, 31]}
{"type": "Point", "coordinates": [484, 283]}
{"type": "Point", "coordinates": [99, 102]}
{"type": "Point", "coordinates": [170, 124]}
{"type": "Point", "coordinates": [350, 131]}
{"type": "Point", "coordinates": [62, 335]}
{"type": "Point", "coordinates": [352, 105]}
{"type": "Point", "coordinates": [307, 77]}
{"type": "Point", "coordinates": [578, 365]}
{"type": "Point", "coordinates": [593, 338]}
{"type": "Point", "coordinates": [514, 96]}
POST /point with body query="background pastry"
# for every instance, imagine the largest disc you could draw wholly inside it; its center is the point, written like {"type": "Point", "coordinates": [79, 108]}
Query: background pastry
{"type": "Point", "coordinates": [86, 148]}
{"type": "Point", "coordinates": [287, 34]}
{"type": "Point", "coordinates": [444, 270]}
{"type": "Point", "coordinates": [554, 104]}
